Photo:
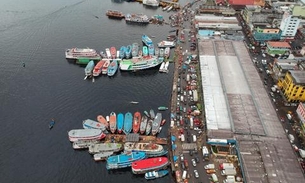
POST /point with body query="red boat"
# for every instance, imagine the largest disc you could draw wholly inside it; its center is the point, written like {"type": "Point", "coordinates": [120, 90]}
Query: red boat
{"type": "Point", "coordinates": [136, 122]}
{"type": "Point", "coordinates": [150, 164]}
{"type": "Point", "coordinates": [98, 68]}
{"type": "Point", "coordinates": [113, 52]}
{"type": "Point", "coordinates": [105, 66]}
{"type": "Point", "coordinates": [102, 120]}
{"type": "Point", "coordinates": [163, 122]}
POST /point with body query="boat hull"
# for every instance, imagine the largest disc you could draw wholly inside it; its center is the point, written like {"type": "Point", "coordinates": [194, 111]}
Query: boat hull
{"type": "Point", "coordinates": [120, 122]}
{"type": "Point", "coordinates": [150, 164]}
{"type": "Point", "coordinates": [124, 160]}
{"type": "Point", "coordinates": [127, 123]}
{"type": "Point", "coordinates": [105, 147]}
{"type": "Point", "coordinates": [85, 134]}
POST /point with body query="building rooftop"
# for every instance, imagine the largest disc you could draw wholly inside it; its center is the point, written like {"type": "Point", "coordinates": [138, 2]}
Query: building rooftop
{"type": "Point", "coordinates": [278, 44]}
{"type": "Point", "coordinates": [298, 11]}
{"type": "Point", "coordinates": [298, 76]}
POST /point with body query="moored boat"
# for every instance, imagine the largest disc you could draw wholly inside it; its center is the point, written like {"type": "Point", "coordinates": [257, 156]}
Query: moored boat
{"type": "Point", "coordinates": [163, 122]}
{"type": "Point", "coordinates": [164, 44]}
{"type": "Point", "coordinates": [138, 18]}
{"type": "Point", "coordinates": [167, 52]}
{"type": "Point", "coordinates": [105, 66]}
{"type": "Point", "coordinates": [124, 160]}
{"type": "Point", "coordinates": [89, 123]}
{"type": "Point", "coordinates": [155, 174]}
{"type": "Point", "coordinates": [128, 51]}
{"type": "Point", "coordinates": [113, 52]}
{"type": "Point", "coordinates": [151, 149]}
{"type": "Point", "coordinates": [98, 68]}
{"type": "Point", "coordinates": [139, 63]}
{"type": "Point", "coordinates": [157, 51]}
{"type": "Point", "coordinates": [127, 123]}
{"type": "Point", "coordinates": [148, 127]}
{"type": "Point", "coordinates": [161, 52]}
{"type": "Point", "coordinates": [135, 49]}
{"type": "Point", "coordinates": [83, 144]}
{"type": "Point", "coordinates": [113, 67]}
{"type": "Point", "coordinates": [153, 3]}
{"type": "Point", "coordinates": [75, 53]}
{"type": "Point", "coordinates": [162, 108]}
{"type": "Point", "coordinates": [102, 120]}
{"type": "Point", "coordinates": [112, 122]}
{"type": "Point", "coordinates": [89, 68]}
{"type": "Point", "coordinates": [152, 114]}
{"type": "Point", "coordinates": [156, 124]}
{"type": "Point", "coordinates": [102, 156]}
{"type": "Point", "coordinates": [85, 134]}
{"type": "Point", "coordinates": [150, 164]}
{"type": "Point", "coordinates": [120, 122]}
{"type": "Point", "coordinates": [108, 53]}
{"type": "Point", "coordinates": [161, 69]}
{"type": "Point", "coordinates": [146, 40]}
{"type": "Point", "coordinates": [151, 50]}
{"type": "Point", "coordinates": [145, 51]}
{"type": "Point", "coordinates": [122, 52]}
{"type": "Point", "coordinates": [105, 147]}
{"type": "Point", "coordinates": [136, 122]}
{"type": "Point", "coordinates": [51, 124]}
{"type": "Point", "coordinates": [115, 14]}
{"type": "Point", "coordinates": [147, 114]}
{"type": "Point", "coordinates": [143, 124]}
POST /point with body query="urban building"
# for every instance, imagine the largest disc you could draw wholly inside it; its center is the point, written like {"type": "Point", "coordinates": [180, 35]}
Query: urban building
{"type": "Point", "coordinates": [289, 26]}
{"type": "Point", "coordinates": [266, 34]}
{"type": "Point", "coordinates": [293, 86]}
{"type": "Point", "coordinates": [246, 2]}
{"type": "Point", "coordinates": [281, 66]}
{"type": "Point", "coordinates": [277, 48]}
{"type": "Point", "coordinates": [301, 114]}
{"type": "Point", "coordinates": [213, 22]}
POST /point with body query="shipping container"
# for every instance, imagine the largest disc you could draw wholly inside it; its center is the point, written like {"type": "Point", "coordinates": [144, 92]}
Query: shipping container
{"type": "Point", "coordinates": [223, 166]}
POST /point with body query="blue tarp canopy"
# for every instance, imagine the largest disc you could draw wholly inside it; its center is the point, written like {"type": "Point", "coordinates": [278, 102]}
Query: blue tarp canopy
{"type": "Point", "coordinates": [174, 146]}
{"type": "Point", "coordinates": [173, 138]}
{"type": "Point", "coordinates": [175, 158]}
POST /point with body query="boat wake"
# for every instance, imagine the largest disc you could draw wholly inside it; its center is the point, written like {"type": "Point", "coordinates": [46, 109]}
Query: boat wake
{"type": "Point", "coordinates": [134, 102]}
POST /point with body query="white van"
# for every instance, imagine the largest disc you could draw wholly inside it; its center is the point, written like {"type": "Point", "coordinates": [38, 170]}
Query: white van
{"type": "Point", "coordinates": [214, 177]}
{"type": "Point", "coordinates": [194, 138]}
{"type": "Point", "coordinates": [209, 166]}
{"type": "Point", "coordinates": [184, 174]}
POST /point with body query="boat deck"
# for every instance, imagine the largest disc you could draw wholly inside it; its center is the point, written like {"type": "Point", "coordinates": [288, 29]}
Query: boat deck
{"type": "Point", "coordinates": [142, 138]}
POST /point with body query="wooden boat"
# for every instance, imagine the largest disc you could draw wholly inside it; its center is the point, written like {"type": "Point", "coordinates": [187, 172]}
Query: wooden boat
{"type": "Point", "coordinates": [113, 52]}
{"type": "Point", "coordinates": [152, 114]}
{"type": "Point", "coordinates": [51, 124]}
{"type": "Point", "coordinates": [112, 122]}
{"type": "Point", "coordinates": [89, 124]}
{"type": "Point", "coordinates": [143, 125]}
{"type": "Point", "coordinates": [115, 14]}
{"type": "Point", "coordinates": [148, 127]}
{"type": "Point", "coordinates": [162, 108]}
{"type": "Point", "coordinates": [136, 122]}
{"type": "Point", "coordinates": [105, 67]}
{"type": "Point", "coordinates": [103, 120]}
{"type": "Point", "coordinates": [155, 174]}
{"type": "Point", "coordinates": [85, 134]}
{"type": "Point", "coordinates": [98, 68]}
{"type": "Point", "coordinates": [102, 156]}
{"type": "Point", "coordinates": [147, 114]}
{"type": "Point", "coordinates": [163, 122]}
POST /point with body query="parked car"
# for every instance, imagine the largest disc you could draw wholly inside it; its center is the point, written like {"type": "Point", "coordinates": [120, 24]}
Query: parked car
{"type": "Point", "coordinates": [210, 171]}
{"type": "Point", "coordinates": [196, 173]}
{"type": "Point", "coordinates": [194, 162]}
{"type": "Point", "coordinates": [197, 159]}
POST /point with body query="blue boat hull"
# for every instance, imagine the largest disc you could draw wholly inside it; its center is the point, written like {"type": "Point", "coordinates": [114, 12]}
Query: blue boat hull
{"type": "Point", "coordinates": [128, 123]}
{"type": "Point", "coordinates": [120, 122]}
{"type": "Point", "coordinates": [124, 160]}
{"type": "Point", "coordinates": [113, 67]}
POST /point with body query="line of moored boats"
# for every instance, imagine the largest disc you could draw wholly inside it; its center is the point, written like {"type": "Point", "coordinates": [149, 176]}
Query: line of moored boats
{"type": "Point", "coordinates": [143, 158]}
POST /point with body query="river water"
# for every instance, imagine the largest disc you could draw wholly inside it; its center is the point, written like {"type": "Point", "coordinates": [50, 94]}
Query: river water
{"type": "Point", "coordinates": [37, 33]}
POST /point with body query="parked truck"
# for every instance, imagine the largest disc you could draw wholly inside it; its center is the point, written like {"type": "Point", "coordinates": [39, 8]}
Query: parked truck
{"type": "Point", "coordinates": [191, 123]}
{"type": "Point", "coordinates": [228, 171]}
{"type": "Point", "coordinates": [223, 166]}
{"type": "Point", "coordinates": [195, 96]}
{"type": "Point", "coordinates": [182, 137]}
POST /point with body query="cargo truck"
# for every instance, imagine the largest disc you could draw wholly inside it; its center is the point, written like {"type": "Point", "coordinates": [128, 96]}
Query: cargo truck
{"type": "Point", "coordinates": [223, 166]}
{"type": "Point", "coordinates": [195, 96]}
{"type": "Point", "coordinates": [191, 123]}
{"type": "Point", "coordinates": [228, 171]}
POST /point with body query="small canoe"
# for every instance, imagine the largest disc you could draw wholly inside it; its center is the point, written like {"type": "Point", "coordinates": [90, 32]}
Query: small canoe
{"type": "Point", "coordinates": [51, 124]}
{"type": "Point", "coordinates": [162, 108]}
{"type": "Point", "coordinates": [102, 120]}
{"type": "Point", "coordinates": [163, 122]}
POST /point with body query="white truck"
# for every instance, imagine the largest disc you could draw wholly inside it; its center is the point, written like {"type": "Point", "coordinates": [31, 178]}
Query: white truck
{"type": "Point", "coordinates": [182, 138]}
{"type": "Point", "coordinates": [228, 171]}
{"type": "Point", "coordinates": [195, 96]}
{"type": "Point", "coordinates": [187, 77]}
{"type": "Point", "coordinates": [209, 166]}
{"type": "Point", "coordinates": [194, 138]}
{"type": "Point", "coordinates": [191, 123]}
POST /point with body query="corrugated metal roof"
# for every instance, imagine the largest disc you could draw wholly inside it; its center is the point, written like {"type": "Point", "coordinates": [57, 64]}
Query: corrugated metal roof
{"type": "Point", "coordinates": [241, 2]}
{"type": "Point", "coordinates": [278, 44]}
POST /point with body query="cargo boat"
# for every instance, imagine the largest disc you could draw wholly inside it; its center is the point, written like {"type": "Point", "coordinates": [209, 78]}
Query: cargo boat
{"type": "Point", "coordinates": [113, 67]}
{"type": "Point", "coordinates": [112, 122]}
{"type": "Point", "coordinates": [136, 18]}
{"type": "Point", "coordinates": [89, 123]}
{"type": "Point", "coordinates": [127, 123]}
{"type": "Point", "coordinates": [120, 122]}
{"type": "Point", "coordinates": [124, 160]}
{"type": "Point", "coordinates": [148, 127]}
{"type": "Point", "coordinates": [98, 68]}
{"type": "Point", "coordinates": [85, 134]}
{"type": "Point", "coordinates": [156, 124]}
{"type": "Point", "coordinates": [102, 156]}
{"type": "Point", "coordinates": [155, 174]}
{"type": "Point", "coordinates": [115, 14]}
{"type": "Point", "coordinates": [83, 144]}
{"type": "Point", "coordinates": [105, 147]}
{"type": "Point", "coordinates": [75, 53]}
{"type": "Point", "coordinates": [89, 69]}
{"type": "Point", "coordinates": [143, 124]}
{"type": "Point", "coordinates": [140, 63]}
{"type": "Point", "coordinates": [150, 149]}
{"type": "Point", "coordinates": [150, 164]}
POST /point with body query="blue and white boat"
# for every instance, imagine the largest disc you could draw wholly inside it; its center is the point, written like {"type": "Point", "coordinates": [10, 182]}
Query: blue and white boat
{"type": "Point", "coordinates": [113, 67]}
{"type": "Point", "coordinates": [89, 69]}
{"type": "Point", "coordinates": [128, 51]}
{"type": "Point", "coordinates": [151, 50]}
{"type": "Point", "coordinates": [91, 124]}
{"type": "Point", "coordinates": [127, 123]}
{"type": "Point", "coordinates": [155, 174]}
{"type": "Point", "coordinates": [145, 51]}
{"type": "Point", "coordinates": [124, 160]}
{"type": "Point", "coordinates": [122, 52]}
{"type": "Point", "coordinates": [120, 122]}
{"type": "Point", "coordinates": [157, 51]}
{"type": "Point", "coordinates": [146, 40]}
